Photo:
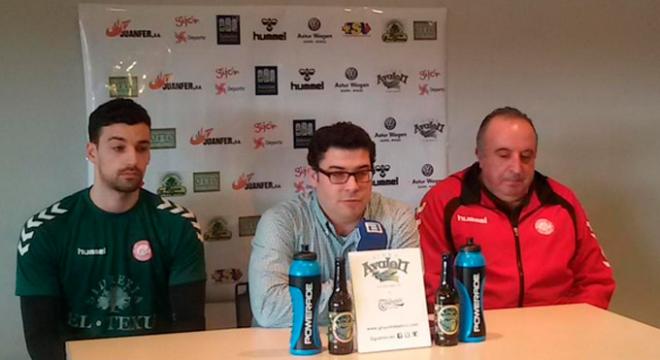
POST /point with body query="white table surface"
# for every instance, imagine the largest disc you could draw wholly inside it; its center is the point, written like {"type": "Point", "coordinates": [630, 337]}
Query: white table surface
{"type": "Point", "coordinates": [550, 332]}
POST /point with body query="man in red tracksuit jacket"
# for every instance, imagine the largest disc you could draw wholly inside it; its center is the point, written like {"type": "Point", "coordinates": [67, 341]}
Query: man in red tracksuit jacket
{"type": "Point", "coordinates": [533, 232]}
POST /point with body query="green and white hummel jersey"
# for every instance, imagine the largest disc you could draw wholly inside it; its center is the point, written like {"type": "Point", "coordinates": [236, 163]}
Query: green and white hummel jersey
{"type": "Point", "coordinates": [112, 271]}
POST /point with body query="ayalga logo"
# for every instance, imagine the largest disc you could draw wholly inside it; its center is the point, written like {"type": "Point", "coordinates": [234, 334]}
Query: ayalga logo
{"type": "Point", "coordinates": [120, 29]}
{"type": "Point", "coordinates": [163, 82]}
{"type": "Point", "coordinates": [386, 269]}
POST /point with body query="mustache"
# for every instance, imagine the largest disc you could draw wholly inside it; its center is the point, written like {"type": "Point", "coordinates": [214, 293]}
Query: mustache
{"type": "Point", "coordinates": [130, 170]}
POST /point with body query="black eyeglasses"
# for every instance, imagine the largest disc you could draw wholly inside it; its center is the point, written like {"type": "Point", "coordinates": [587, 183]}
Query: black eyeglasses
{"type": "Point", "coordinates": [341, 177]}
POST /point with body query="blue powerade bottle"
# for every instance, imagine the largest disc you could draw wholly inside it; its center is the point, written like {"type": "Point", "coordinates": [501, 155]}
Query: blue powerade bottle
{"type": "Point", "coordinates": [305, 289]}
{"type": "Point", "coordinates": [470, 280]}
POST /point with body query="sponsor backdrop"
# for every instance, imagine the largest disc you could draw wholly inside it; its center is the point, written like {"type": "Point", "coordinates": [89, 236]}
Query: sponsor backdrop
{"type": "Point", "coordinates": [236, 92]}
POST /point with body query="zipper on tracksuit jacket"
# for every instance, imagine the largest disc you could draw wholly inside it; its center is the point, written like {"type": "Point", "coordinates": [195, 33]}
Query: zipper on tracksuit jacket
{"type": "Point", "coordinates": [521, 274]}
{"type": "Point", "coordinates": [515, 220]}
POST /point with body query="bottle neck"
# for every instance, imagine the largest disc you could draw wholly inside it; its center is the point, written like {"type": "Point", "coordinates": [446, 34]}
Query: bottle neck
{"type": "Point", "coordinates": [340, 275]}
{"type": "Point", "coordinates": [447, 280]}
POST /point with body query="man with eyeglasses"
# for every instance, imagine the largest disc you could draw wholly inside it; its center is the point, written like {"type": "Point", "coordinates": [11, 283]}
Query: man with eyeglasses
{"type": "Point", "coordinates": [341, 157]}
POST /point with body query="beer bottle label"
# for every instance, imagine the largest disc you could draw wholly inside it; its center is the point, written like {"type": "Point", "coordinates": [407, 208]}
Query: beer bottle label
{"type": "Point", "coordinates": [341, 327]}
{"type": "Point", "coordinates": [446, 319]}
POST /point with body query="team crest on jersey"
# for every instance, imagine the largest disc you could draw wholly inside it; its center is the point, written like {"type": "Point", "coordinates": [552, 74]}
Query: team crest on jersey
{"type": "Point", "coordinates": [544, 226]}
{"type": "Point", "coordinates": [142, 251]}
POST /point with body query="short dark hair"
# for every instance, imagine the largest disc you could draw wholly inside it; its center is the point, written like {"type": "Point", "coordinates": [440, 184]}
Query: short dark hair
{"type": "Point", "coordinates": [117, 111]}
{"type": "Point", "coordinates": [507, 111]}
{"type": "Point", "coordinates": [341, 135]}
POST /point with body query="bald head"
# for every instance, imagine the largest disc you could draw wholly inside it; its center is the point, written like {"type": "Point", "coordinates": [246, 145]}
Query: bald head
{"type": "Point", "coordinates": [507, 112]}
{"type": "Point", "coordinates": [506, 149]}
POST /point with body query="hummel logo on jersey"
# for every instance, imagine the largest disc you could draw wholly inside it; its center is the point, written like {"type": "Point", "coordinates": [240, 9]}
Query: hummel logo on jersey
{"type": "Point", "coordinates": [183, 212]}
{"type": "Point", "coordinates": [34, 222]}
{"type": "Point", "coordinates": [91, 252]}
{"type": "Point", "coordinates": [463, 218]}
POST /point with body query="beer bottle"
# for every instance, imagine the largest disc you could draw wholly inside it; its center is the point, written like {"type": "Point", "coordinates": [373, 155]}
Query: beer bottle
{"type": "Point", "coordinates": [446, 307]}
{"type": "Point", "coordinates": [340, 310]}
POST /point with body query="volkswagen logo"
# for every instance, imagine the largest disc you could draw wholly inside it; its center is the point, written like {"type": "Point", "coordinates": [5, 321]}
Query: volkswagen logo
{"type": "Point", "coordinates": [427, 170]}
{"type": "Point", "coordinates": [314, 24]}
{"type": "Point", "coordinates": [351, 73]}
{"type": "Point", "coordinates": [390, 123]}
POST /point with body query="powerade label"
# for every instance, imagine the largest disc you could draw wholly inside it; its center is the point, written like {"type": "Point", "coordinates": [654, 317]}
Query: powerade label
{"type": "Point", "coordinates": [341, 327]}
{"type": "Point", "coordinates": [446, 319]}
{"type": "Point", "coordinates": [469, 283]}
{"type": "Point", "coordinates": [305, 292]}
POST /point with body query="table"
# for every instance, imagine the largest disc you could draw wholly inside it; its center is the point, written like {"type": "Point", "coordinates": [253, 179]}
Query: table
{"type": "Point", "coordinates": [576, 331]}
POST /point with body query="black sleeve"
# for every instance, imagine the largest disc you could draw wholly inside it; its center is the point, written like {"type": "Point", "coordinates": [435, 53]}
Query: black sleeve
{"type": "Point", "coordinates": [41, 317]}
{"type": "Point", "coordinates": [188, 306]}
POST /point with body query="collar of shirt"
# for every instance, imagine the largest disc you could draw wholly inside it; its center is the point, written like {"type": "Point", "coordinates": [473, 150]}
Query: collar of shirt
{"type": "Point", "coordinates": [346, 242]}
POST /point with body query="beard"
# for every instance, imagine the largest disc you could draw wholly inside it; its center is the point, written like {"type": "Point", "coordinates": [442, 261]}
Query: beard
{"type": "Point", "coordinates": [126, 185]}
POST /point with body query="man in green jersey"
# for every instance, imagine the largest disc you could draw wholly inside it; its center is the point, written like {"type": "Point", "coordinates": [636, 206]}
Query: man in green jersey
{"type": "Point", "coordinates": [112, 259]}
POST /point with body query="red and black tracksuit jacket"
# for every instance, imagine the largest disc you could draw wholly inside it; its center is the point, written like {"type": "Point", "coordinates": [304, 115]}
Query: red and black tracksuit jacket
{"type": "Point", "coordinates": [542, 253]}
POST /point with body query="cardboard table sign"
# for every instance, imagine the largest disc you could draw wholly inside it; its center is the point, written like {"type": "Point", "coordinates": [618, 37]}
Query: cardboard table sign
{"type": "Point", "coordinates": [388, 294]}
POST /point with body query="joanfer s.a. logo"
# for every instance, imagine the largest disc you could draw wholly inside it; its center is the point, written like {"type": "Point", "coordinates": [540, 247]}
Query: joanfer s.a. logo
{"type": "Point", "coordinates": [387, 269]}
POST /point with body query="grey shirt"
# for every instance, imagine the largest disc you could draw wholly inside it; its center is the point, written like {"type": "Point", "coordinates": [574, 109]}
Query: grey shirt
{"type": "Point", "coordinates": [281, 231]}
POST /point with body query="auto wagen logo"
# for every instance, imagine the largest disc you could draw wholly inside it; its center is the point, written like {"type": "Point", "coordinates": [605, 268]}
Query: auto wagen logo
{"type": "Point", "coordinates": [390, 135]}
{"type": "Point", "coordinates": [427, 170]}
{"type": "Point", "coordinates": [351, 75]}
{"type": "Point", "coordinates": [314, 24]}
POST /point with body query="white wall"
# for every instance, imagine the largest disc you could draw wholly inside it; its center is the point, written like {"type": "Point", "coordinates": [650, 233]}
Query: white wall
{"type": "Point", "coordinates": [587, 71]}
